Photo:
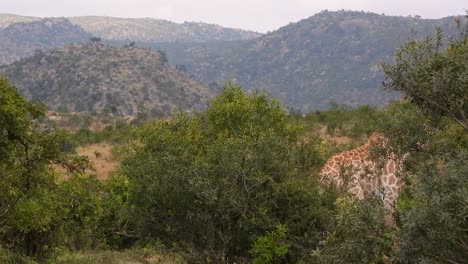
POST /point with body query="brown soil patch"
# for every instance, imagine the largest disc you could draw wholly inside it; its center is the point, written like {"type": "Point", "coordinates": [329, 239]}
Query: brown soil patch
{"type": "Point", "coordinates": [101, 157]}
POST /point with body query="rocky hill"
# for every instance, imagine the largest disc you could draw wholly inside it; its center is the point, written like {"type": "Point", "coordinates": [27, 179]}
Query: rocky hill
{"type": "Point", "coordinates": [157, 30]}
{"type": "Point", "coordinates": [21, 39]}
{"type": "Point", "coordinates": [144, 29]}
{"type": "Point", "coordinates": [95, 77]}
{"type": "Point", "coordinates": [8, 19]}
{"type": "Point", "coordinates": [329, 57]}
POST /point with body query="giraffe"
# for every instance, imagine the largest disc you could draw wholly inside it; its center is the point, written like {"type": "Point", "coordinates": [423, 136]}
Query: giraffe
{"type": "Point", "coordinates": [359, 174]}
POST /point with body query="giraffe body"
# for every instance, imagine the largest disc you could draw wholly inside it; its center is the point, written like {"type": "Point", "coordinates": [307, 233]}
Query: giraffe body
{"type": "Point", "coordinates": [360, 175]}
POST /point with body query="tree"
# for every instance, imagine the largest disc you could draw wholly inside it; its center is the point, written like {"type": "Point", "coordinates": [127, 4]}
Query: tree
{"type": "Point", "coordinates": [213, 183]}
{"type": "Point", "coordinates": [432, 126]}
{"type": "Point", "coordinates": [14, 119]}
{"type": "Point", "coordinates": [434, 227]}
{"type": "Point", "coordinates": [434, 76]}
{"type": "Point", "coordinates": [31, 214]}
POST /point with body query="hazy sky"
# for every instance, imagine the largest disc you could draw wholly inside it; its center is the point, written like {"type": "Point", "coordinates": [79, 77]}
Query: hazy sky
{"type": "Point", "coordinates": [259, 15]}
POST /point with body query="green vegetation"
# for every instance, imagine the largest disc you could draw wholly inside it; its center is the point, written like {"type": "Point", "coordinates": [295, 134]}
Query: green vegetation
{"type": "Point", "coordinates": [342, 120]}
{"type": "Point", "coordinates": [98, 78]}
{"type": "Point", "coordinates": [328, 57]}
{"type": "Point", "coordinates": [238, 183]}
{"type": "Point", "coordinates": [431, 218]}
{"type": "Point", "coordinates": [118, 134]}
{"type": "Point", "coordinates": [270, 246]}
{"type": "Point", "coordinates": [144, 256]}
{"type": "Point", "coordinates": [434, 79]}
{"type": "Point", "coordinates": [37, 211]}
{"type": "Point", "coordinates": [219, 180]}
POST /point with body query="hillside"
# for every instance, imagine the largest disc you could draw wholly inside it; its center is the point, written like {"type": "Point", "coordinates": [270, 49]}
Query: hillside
{"type": "Point", "coordinates": [157, 30]}
{"type": "Point", "coordinates": [94, 77]}
{"type": "Point", "coordinates": [8, 19]}
{"type": "Point", "coordinates": [22, 39]}
{"type": "Point", "coordinates": [329, 57]}
{"type": "Point", "coordinates": [143, 29]}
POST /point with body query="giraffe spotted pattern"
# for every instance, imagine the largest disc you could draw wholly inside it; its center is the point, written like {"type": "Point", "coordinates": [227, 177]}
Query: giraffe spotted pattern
{"type": "Point", "coordinates": [355, 171]}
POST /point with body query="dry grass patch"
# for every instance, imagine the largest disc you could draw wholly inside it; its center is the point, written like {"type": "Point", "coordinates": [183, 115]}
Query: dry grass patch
{"type": "Point", "coordinates": [101, 157]}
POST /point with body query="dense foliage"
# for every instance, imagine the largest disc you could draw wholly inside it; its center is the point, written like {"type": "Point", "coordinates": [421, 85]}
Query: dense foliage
{"type": "Point", "coordinates": [434, 78]}
{"type": "Point", "coordinates": [213, 183]}
{"type": "Point", "coordinates": [430, 130]}
{"type": "Point", "coordinates": [237, 183]}
{"type": "Point", "coordinates": [37, 211]}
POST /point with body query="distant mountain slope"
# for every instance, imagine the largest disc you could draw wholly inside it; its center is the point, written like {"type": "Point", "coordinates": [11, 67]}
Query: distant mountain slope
{"type": "Point", "coordinates": [157, 30]}
{"type": "Point", "coordinates": [100, 78]}
{"type": "Point", "coordinates": [20, 40]}
{"type": "Point", "coordinates": [329, 57]}
{"type": "Point", "coordinates": [8, 19]}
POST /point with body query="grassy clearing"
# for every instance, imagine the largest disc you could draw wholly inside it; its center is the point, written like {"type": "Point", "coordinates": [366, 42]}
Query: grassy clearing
{"type": "Point", "coordinates": [101, 157]}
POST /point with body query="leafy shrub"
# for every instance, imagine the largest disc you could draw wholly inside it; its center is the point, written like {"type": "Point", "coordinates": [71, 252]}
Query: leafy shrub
{"type": "Point", "coordinates": [360, 234]}
{"type": "Point", "coordinates": [211, 184]}
{"type": "Point", "coordinates": [434, 230]}
{"type": "Point", "coordinates": [270, 247]}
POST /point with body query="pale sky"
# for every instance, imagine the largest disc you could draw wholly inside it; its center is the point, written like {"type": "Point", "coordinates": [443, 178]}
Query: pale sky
{"type": "Point", "coordinates": [258, 15]}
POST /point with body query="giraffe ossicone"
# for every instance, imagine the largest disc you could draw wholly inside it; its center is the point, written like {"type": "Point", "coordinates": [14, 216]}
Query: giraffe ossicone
{"type": "Point", "coordinates": [357, 172]}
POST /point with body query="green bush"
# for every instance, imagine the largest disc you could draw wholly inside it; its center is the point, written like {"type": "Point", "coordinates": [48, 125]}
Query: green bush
{"type": "Point", "coordinates": [38, 208]}
{"type": "Point", "coordinates": [270, 247]}
{"type": "Point", "coordinates": [344, 121]}
{"type": "Point", "coordinates": [360, 234]}
{"type": "Point", "coordinates": [210, 185]}
{"type": "Point", "coordinates": [434, 229]}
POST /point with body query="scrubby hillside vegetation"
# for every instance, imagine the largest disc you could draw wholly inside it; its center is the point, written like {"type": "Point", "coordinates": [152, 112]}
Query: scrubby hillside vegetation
{"type": "Point", "coordinates": [239, 182]}
{"type": "Point", "coordinates": [329, 57]}
{"type": "Point", "coordinates": [141, 29]}
{"type": "Point", "coordinates": [21, 39]}
{"type": "Point", "coordinates": [95, 77]}
{"type": "Point", "coordinates": [8, 19]}
{"type": "Point", "coordinates": [22, 36]}
{"type": "Point", "coordinates": [156, 30]}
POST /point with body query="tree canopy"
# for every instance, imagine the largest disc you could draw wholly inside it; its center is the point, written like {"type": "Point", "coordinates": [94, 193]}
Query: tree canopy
{"type": "Point", "coordinates": [31, 214]}
{"type": "Point", "coordinates": [434, 73]}
{"type": "Point", "coordinates": [214, 183]}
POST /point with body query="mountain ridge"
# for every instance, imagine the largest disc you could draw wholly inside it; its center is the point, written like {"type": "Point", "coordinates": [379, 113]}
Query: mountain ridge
{"type": "Point", "coordinates": [22, 39]}
{"type": "Point", "coordinates": [328, 57]}
{"type": "Point", "coordinates": [7, 19]}
{"type": "Point", "coordinates": [143, 29]}
{"type": "Point", "coordinates": [157, 30]}
{"type": "Point", "coordinates": [95, 77]}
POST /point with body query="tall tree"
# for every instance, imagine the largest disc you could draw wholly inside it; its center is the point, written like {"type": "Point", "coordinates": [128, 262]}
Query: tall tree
{"type": "Point", "coordinates": [29, 210]}
{"type": "Point", "coordinates": [433, 74]}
